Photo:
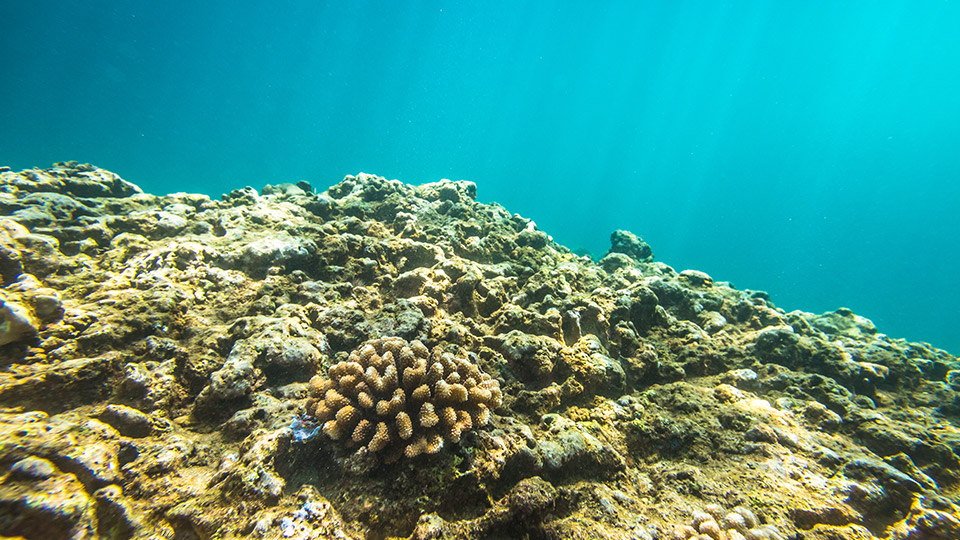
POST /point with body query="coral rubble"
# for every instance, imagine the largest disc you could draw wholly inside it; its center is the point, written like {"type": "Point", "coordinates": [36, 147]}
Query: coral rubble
{"type": "Point", "coordinates": [381, 359]}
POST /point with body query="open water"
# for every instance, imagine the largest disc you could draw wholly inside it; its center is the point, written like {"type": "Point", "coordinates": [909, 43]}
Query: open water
{"type": "Point", "coordinates": [804, 148]}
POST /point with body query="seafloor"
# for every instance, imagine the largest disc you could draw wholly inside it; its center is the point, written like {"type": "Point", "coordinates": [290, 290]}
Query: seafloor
{"type": "Point", "coordinates": [382, 359]}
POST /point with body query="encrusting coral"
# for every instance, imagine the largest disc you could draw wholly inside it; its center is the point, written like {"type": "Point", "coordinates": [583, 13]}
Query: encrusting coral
{"type": "Point", "coordinates": [400, 399]}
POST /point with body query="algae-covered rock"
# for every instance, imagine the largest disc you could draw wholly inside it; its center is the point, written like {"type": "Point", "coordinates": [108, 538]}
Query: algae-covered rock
{"type": "Point", "coordinates": [16, 323]}
{"type": "Point", "coordinates": [40, 501]}
{"type": "Point", "coordinates": [517, 515]}
{"type": "Point", "coordinates": [181, 366]}
{"type": "Point", "coordinates": [630, 245]}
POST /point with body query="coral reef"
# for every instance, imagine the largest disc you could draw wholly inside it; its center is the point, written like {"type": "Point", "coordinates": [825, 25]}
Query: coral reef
{"type": "Point", "coordinates": [397, 398]}
{"type": "Point", "coordinates": [261, 365]}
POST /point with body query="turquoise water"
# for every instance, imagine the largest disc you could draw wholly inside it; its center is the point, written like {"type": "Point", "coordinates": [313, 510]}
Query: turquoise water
{"type": "Point", "coordinates": [803, 148]}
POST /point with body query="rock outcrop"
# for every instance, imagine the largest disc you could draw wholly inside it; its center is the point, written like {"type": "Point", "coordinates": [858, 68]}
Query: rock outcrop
{"type": "Point", "coordinates": [287, 363]}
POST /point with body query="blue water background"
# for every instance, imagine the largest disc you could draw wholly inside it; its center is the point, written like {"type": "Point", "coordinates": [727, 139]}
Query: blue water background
{"type": "Point", "coordinates": [804, 148]}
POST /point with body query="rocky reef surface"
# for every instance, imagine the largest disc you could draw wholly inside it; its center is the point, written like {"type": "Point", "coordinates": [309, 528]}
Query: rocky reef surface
{"type": "Point", "coordinates": [166, 367]}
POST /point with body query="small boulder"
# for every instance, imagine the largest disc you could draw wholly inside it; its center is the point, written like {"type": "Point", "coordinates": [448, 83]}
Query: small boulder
{"type": "Point", "coordinates": [631, 245]}
{"type": "Point", "coordinates": [16, 323]}
{"type": "Point", "coordinates": [128, 421]}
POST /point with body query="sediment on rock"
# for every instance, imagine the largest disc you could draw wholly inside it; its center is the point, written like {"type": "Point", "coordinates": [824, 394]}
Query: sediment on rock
{"type": "Point", "coordinates": [382, 359]}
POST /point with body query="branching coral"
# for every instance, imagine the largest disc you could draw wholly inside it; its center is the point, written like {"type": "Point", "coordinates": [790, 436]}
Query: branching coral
{"type": "Point", "coordinates": [399, 399]}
